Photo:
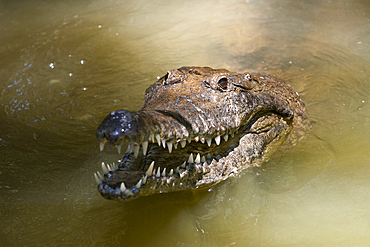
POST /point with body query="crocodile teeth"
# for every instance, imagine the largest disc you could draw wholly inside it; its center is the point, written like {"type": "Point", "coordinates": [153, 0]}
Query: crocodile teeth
{"type": "Point", "coordinates": [158, 137]}
{"type": "Point", "coordinates": [136, 150]}
{"type": "Point", "coordinates": [123, 187]}
{"type": "Point", "coordinates": [177, 170]}
{"type": "Point", "coordinates": [183, 143]}
{"type": "Point", "coordinates": [129, 149]}
{"type": "Point", "coordinates": [203, 159]}
{"type": "Point", "coordinates": [196, 139]}
{"type": "Point", "coordinates": [164, 172]}
{"type": "Point", "coordinates": [145, 146]}
{"type": "Point", "coordinates": [150, 169]}
{"type": "Point", "coordinates": [151, 138]}
{"type": "Point", "coordinates": [158, 172]}
{"type": "Point", "coordinates": [209, 156]}
{"type": "Point", "coordinates": [197, 159]}
{"type": "Point", "coordinates": [163, 143]}
{"type": "Point", "coordinates": [191, 158]}
{"type": "Point", "coordinates": [169, 145]}
{"type": "Point", "coordinates": [97, 179]}
{"type": "Point", "coordinates": [101, 145]}
{"type": "Point", "coordinates": [118, 149]}
{"type": "Point", "coordinates": [189, 139]}
{"type": "Point", "coordinates": [144, 179]}
{"type": "Point", "coordinates": [175, 145]}
{"type": "Point", "coordinates": [184, 164]}
{"type": "Point", "coordinates": [202, 140]}
{"type": "Point", "coordinates": [218, 140]}
{"type": "Point", "coordinates": [170, 173]}
{"type": "Point", "coordinates": [209, 142]}
{"type": "Point", "coordinates": [104, 167]}
{"type": "Point", "coordinates": [114, 167]}
{"type": "Point", "coordinates": [226, 137]}
{"type": "Point", "coordinates": [128, 193]}
{"type": "Point", "coordinates": [109, 167]}
{"type": "Point", "coordinates": [138, 185]}
{"type": "Point", "coordinates": [100, 176]}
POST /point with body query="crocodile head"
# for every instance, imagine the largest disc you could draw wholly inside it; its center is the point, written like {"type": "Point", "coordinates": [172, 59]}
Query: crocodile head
{"type": "Point", "coordinates": [196, 127]}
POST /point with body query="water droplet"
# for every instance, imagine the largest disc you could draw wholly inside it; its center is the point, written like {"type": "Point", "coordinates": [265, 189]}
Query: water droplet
{"type": "Point", "coordinates": [70, 74]}
{"type": "Point", "coordinates": [51, 65]}
{"type": "Point", "coordinates": [82, 61]}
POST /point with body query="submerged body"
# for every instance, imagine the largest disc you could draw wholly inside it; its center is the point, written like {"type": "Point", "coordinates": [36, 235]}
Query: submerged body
{"type": "Point", "coordinates": [196, 127]}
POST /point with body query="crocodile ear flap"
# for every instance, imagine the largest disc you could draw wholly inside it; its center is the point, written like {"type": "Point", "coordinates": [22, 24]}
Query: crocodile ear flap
{"type": "Point", "coordinates": [172, 77]}
{"type": "Point", "coordinates": [222, 84]}
{"type": "Point", "coordinates": [163, 79]}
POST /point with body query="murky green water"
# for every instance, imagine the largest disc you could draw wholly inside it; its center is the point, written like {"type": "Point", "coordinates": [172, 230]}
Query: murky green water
{"type": "Point", "coordinates": [64, 65]}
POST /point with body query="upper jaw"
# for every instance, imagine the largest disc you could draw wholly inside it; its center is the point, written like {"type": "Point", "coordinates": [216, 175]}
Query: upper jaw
{"type": "Point", "coordinates": [139, 130]}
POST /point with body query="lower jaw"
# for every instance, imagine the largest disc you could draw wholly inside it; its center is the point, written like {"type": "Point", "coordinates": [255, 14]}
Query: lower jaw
{"type": "Point", "coordinates": [190, 164]}
{"type": "Point", "coordinates": [158, 181]}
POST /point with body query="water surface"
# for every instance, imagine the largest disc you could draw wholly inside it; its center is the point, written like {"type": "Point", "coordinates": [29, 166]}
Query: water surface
{"type": "Point", "coordinates": [65, 65]}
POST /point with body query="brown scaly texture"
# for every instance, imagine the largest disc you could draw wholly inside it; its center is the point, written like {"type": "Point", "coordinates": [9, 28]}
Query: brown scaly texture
{"type": "Point", "coordinates": [232, 120]}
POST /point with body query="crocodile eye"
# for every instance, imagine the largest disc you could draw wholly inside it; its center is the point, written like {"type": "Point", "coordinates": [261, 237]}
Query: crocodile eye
{"type": "Point", "coordinates": [222, 83]}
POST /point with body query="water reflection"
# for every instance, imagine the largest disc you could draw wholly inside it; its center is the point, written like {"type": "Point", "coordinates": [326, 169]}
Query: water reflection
{"type": "Point", "coordinates": [66, 65]}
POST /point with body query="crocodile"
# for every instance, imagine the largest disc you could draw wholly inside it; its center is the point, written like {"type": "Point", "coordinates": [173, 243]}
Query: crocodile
{"type": "Point", "coordinates": [197, 127]}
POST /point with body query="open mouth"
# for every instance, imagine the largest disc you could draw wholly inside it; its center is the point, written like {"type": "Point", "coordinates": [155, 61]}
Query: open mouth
{"type": "Point", "coordinates": [161, 165]}
{"type": "Point", "coordinates": [183, 163]}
